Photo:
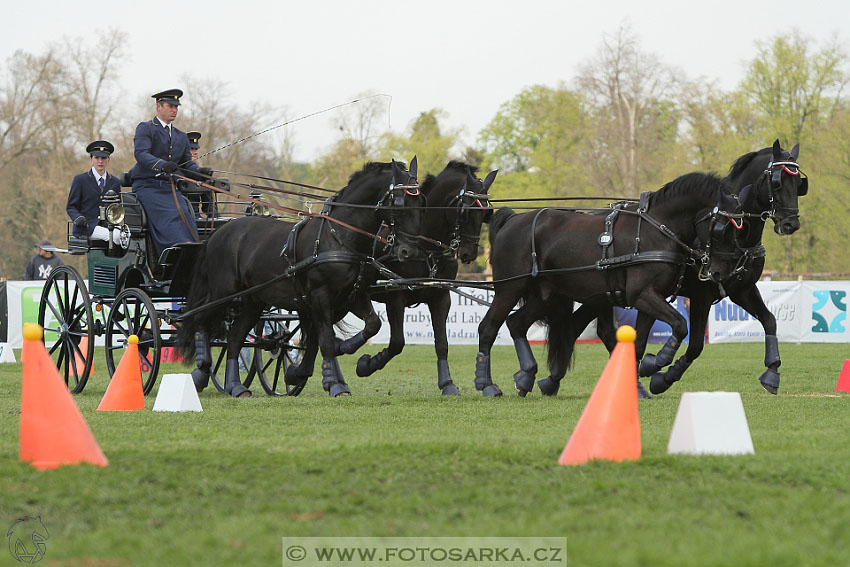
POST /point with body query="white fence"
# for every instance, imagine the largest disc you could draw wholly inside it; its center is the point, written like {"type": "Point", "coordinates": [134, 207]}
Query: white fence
{"type": "Point", "coordinates": [806, 311]}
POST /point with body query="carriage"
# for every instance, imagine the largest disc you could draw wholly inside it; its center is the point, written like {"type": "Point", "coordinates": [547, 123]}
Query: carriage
{"type": "Point", "coordinates": [131, 292]}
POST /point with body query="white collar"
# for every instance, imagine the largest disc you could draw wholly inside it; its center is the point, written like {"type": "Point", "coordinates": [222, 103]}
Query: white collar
{"type": "Point", "coordinates": [161, 122]}
{"type": "Point", "coordinates": [97, 176]}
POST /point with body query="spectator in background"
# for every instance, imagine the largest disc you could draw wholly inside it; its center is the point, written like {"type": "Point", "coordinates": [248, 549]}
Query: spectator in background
{"type": "Point", "coordinates": [40, 265]}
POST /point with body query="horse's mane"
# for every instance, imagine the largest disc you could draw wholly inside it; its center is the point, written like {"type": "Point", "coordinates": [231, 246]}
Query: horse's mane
{"type": "Point", "coordinates": [453, 166]}
{"type": "Point", "coordinates": [702, 185]}
{"type": "Point", "coordinates": [744, 161]}
{"type": "Point", "coordinates": [371, 168]}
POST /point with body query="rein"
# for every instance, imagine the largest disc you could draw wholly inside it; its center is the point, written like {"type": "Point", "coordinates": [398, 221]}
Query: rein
{"type": "Point", "coordinates": [289, 210]}
{"type": "Point", "coordinates": [180, 211]}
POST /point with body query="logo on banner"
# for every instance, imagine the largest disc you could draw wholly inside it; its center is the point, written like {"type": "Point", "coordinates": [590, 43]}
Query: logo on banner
{"type": "Point", "coordinates": [829, 311]}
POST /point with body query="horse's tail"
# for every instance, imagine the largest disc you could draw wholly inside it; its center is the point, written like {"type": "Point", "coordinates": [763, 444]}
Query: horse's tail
{"type": "Point", "coordinates": [500, 217]}
{"type": "Point", "coordinates": [560, 333]}
{"type": "Point", "coordinates": [199, 293]}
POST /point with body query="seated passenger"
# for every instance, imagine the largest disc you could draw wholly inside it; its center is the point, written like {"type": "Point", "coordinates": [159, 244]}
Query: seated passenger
{"type": "Point", "coordinates": [87, 191]}
{"type": "Point", "coordinates": [200, 201]}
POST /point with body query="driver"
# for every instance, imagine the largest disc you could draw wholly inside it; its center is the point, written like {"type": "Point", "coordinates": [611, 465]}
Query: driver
{"type": "Point", "coordinates": [160, 149]}
{"type": "Point", "coordinates": [87, 191]}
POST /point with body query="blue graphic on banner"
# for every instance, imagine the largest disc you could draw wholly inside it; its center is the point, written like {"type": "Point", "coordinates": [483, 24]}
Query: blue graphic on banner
{"type": "Point", "coordinates": [829, 311]}
{"type": "Point", "coordinates": [660, 331]}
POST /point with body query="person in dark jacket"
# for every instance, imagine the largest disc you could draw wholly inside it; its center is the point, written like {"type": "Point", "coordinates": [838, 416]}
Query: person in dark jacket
{"type": "Point", "coordinates": [87, 191]}
{"type": "Point", "coordinates": [40, 265]}
{"type": "Point", "coordinates": [200, 201]}
{"type": "Point", "coordinates": [161, 150]}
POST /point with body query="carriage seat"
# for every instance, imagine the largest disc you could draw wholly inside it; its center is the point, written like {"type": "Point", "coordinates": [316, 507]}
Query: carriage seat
{"type": "Point", "coordinates": [81, 245]}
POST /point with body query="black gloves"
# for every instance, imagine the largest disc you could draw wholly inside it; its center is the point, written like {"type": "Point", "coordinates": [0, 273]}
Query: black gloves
{"type": "Point", "coordinates": [169, 167]}
{"type": "Point", "coordinates": [81, 222]}
{"type": "Point", "coordinates": [205, 171]}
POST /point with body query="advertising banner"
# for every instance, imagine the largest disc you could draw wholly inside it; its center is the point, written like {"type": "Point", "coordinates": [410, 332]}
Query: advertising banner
{"type": "Point", "coordinates": [813, 311]}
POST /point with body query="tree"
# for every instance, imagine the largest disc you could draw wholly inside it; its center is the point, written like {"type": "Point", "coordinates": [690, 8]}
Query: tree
{"type": "Point", "coordinates": [426, 139]}
{"type": "Point", "coordinates": [630, 100]}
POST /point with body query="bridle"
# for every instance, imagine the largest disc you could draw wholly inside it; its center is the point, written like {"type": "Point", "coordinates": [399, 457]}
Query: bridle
{"type": "Point", "coordinates": [393, 200]}
{"type": "Point", "coordinates": [465, 202]}
{"type": "Point", "coordinates": [773, 177]}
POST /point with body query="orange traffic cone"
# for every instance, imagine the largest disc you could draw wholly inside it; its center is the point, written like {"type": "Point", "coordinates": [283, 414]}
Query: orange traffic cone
{"type": "Point", "coordinates": [53, 431]}
{"type": "Point", "coordinates": [844, 378]}
{"type": "Point", "coordinates": [125, 391]}
{"type": "Point", "coordinates": [609, 427]}
{"type": "Point", "coordinates": [80, 361]}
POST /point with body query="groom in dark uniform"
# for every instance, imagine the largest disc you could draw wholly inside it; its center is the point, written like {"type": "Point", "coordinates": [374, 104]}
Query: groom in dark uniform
{"type": "Point", "coordinates": [160, 150]}
{"type": "Point", "coordinates": [87, 191]}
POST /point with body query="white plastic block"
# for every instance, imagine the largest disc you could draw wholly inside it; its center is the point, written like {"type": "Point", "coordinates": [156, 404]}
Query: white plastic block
{"type": "Point", "coordinates": [711, 423]}
{"type": "Point", "coordinates": [177, 393]}
{"type": "Point", "coordinates": [6, 353]}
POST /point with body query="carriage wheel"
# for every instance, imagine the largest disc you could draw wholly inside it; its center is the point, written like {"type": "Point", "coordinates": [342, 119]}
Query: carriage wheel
{"type": "Point", "coordinates": [65, 313]}
{"type": "Point", "coordinates": [133, 313]}
{"type": "Point", "coordinates": [277, 349]}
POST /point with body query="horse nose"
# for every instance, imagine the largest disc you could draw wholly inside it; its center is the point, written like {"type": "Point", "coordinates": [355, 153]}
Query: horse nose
{"type": "Point", "coordinates": [788, 226]}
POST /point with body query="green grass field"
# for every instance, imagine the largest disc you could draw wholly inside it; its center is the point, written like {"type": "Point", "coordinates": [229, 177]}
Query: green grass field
{"type": "Point", "coordinates": [224, 486]}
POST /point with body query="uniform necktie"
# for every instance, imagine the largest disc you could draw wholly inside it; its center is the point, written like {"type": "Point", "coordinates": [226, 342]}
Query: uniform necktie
{"type": "Point", "coordinates": [167, 129]}
{"type": "Point", "coordinates": [100, 182]}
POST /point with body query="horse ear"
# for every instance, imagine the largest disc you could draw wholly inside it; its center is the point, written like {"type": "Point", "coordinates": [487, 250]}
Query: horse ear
{"type": "Point", "coordinates": [489, 179]}
{"type": "Point", "coordinates": [414, 167]}
{"type": "Point", "coordinates": [795, 151]}
{"type": "Point", "coordinates": [777, 151]}
{"type": "Point", "coordinates": [395, 170]}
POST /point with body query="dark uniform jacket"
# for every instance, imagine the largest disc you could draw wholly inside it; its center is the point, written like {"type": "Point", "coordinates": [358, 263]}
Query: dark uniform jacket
{"type": "Point", "coordinates": [153, 149]}
{"type": "Point", "coordinates": [85, 199]}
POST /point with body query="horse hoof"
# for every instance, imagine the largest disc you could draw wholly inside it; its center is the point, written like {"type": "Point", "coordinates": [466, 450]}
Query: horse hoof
{"type": "Point", "coordinates": [200, 379]}
{"type": "Point", "coordinates": [642, 393]}
{"type": "Point", "coordinates": [657, 384]}
{"type": "Point", "coordinates": [492, 391]}
{"type": "Point", "coordinates": [524, 383]}
{"type": "Point", "coordinates": [647, 366]}
{"type": "Point", "coordinates": [336, 390]}
{"type": "Point", "coordinates": [450, 390]}
{"type": "Point", "coordinates": [240, 391]}
{"type": "Point", "coordinates": [363, 366]}
{"type": "Point", "coordinates": [548, 386]}
{"type": "Point", "coordinates": [770, 381]}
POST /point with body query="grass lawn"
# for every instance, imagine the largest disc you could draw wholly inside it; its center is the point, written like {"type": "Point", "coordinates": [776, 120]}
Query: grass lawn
{"type": "Point", "coordinates": [224, 486]}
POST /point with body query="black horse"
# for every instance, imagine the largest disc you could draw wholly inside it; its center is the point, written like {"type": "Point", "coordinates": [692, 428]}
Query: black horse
{"type": "Point", "coordinates": [458, 205]}
{"type": "Point", "coordinates": [550, 258]}
{"type": "Point", "coordinates": [768, 183]}
{"type": "Point", "coordinates": [319, 274]}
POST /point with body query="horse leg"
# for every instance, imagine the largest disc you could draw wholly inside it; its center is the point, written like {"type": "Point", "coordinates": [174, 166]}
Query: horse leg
{"type": "Point", "coordinates": [243, 323]}
{"type": "Point", "coordinates": [751, 300]}
{"type": "Point", "coordinates": [580, 319]}
{"type": "Point", "coordinates": [439, 306]}
{"type": "Point", "coordinates": [654, 305]}
{"type": "Point", "coordinates": [503, 302]}
{"type": "Point", "coordinates": [332, 380]}
{"type": "Point", "coordinates": [700, 307]}
{"type": "Point", "coordinates": [518, 324]}
{"type": "Point", "coordinates": [367, 364]}
{"type": "Point", "coordinates": [298, 374]}
{"type": "Point", "coordinates": [643, 326]}
{"type": "Point", "coordinates": [203, 361]}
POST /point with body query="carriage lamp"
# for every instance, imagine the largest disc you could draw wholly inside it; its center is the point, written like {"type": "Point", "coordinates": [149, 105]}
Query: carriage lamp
{"type": "Point", "coordinates": [112, 210]}
{"type": "Point", "coordinates": [115, 213]}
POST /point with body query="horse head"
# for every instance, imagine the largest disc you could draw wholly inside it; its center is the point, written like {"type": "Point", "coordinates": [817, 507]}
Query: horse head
{"type": "Point", "coordinates": [777, 183]}
{"type": "Point", "coordinates": [401, 209]}
{"type": "Point", "coordinates": [473, 210]}
{"type": "Point", "coordinates": [717, 237]}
